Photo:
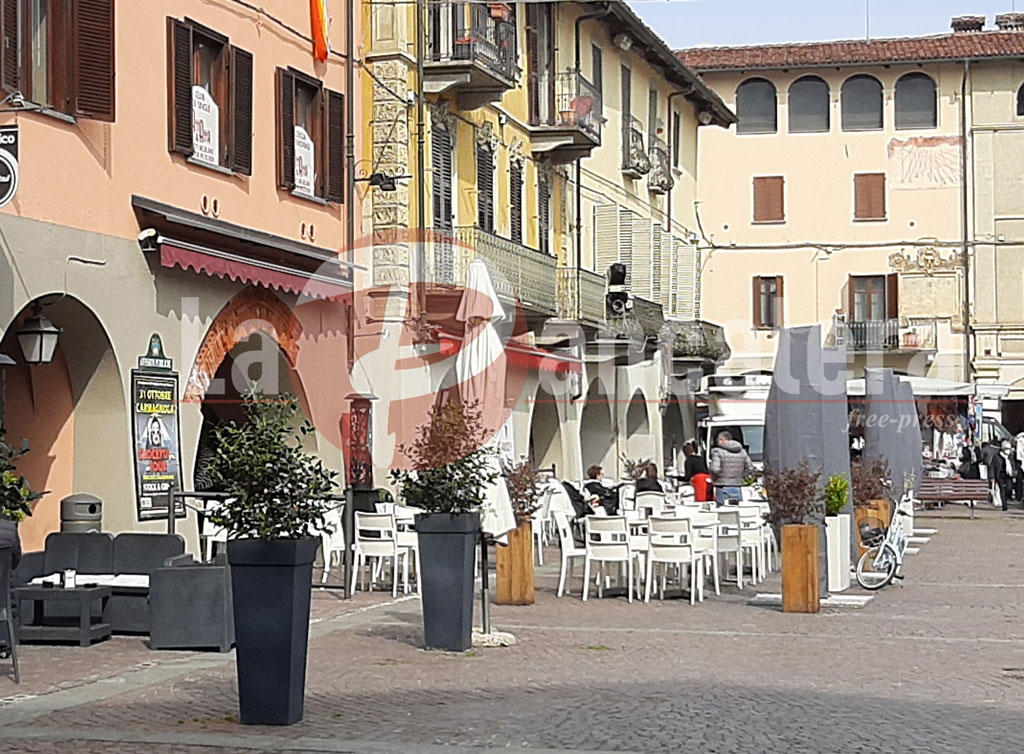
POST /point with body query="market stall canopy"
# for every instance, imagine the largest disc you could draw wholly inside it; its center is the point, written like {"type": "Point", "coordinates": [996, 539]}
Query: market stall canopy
{"type": "Point", "coordinates": [928, 386]}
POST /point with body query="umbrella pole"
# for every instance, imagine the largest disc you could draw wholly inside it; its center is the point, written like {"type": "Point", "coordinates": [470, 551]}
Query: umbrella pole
{"type": "Point", "coordinates": [485, 603]}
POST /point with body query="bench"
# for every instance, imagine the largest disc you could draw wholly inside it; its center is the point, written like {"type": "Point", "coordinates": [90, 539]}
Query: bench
{"type": "Point", "coordinates": [940, 491]}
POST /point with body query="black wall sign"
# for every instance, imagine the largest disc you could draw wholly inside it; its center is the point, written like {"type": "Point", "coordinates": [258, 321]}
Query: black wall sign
{"type": "Point", "coordinates": [9, 171]}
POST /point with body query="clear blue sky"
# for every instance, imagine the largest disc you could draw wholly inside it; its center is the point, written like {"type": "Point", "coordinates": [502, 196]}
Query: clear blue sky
{"type": "Point", "coordinates": [688, 23]}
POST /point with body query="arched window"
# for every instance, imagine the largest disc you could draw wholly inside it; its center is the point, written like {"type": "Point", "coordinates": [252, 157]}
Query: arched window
{"type": "Point", "coordinates": [916, 103]}
{"type": "Point", "coordinates": [808, 105]}
{"type": "Point", "coordinates": [756, 108]}
{"type": "Point", "coordinates": [862, 103]}
{"type": "Point", "coordinates": [1020, 101]}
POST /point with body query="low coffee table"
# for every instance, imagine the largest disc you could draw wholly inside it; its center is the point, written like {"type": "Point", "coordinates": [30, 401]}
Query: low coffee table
{"type": "Point", "coordinates": [85, 633]}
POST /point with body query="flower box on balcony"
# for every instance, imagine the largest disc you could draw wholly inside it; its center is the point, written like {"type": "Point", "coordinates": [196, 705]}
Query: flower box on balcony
{"type": "Point", "coordinates": [911, 339]}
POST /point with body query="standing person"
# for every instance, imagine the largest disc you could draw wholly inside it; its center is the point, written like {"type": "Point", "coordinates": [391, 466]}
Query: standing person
{"type": "Point", "coordinates": [694, 463]}
{"type": "Point", "coordinates": [1006, 471]}
{"type": "Point", "coordinates": [1018, 452]}
{"type": "Point", "coordinates": [730, 465]}
{"type": "Point", "coordinates": [649, 482]}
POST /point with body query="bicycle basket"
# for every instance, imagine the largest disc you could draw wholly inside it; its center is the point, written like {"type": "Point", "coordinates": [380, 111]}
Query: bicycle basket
{"type": "Point", "coordinates": [872, 532]}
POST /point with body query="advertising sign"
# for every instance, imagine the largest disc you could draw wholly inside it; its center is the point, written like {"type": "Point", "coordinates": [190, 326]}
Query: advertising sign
{"type": "Point", "coordinates": [9, 173]}
{"type": "Point", "coordinates": [156, 443]}
{"type": "Point", "coordinates": [304, 156]}
{"type": "Point", "coordinates": [205, 127]}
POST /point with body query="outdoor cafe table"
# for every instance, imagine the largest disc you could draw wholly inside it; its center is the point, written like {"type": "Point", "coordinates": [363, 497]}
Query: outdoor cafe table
{"type": "Point", "coordinates": [85, 632]}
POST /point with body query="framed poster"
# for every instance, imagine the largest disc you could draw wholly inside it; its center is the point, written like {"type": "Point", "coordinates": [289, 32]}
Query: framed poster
{"type": "Point", "coordinates": [156, 441]}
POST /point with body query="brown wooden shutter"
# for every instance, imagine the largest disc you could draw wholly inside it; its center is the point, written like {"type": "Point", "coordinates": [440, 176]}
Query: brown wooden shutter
{"type": "Point", "coordinates": [10, 77]}
{"type": "Point", "coordinates": [544, 213]}
{"type": "Point", "coordinates": [485, 188]}
{"type": "Point", "coordinates": [780, 307]}
{"type": "Point", "coordinates": [441, 164]}
{"type": "Point", "coordinates": [334, 144]}
{"type": "Point", "coordinates": [240, 112]}
{"type": "Point", "coordinates": [869, 196]}
{"type": "Point", "coordinates": [892, 296]}
{"type": "Point", "coordinates": [851, 297]}
{"type": "Point", "coordinates": [533, 62]}
{"type": "Point", "coordinates": [285, 90]}
{"type": "Point", "coordinates": [93, 35]}
{"type": "Point", "coordinates": [515, 187]}
{"type": "Point", "coordinates": [756, 300]}
{"type": "Point", "coordinates": [179, 86]}
{"type": "Point", "coordinates": [878, 195]}
{"type": "Point", "coordinates": [769, 199]}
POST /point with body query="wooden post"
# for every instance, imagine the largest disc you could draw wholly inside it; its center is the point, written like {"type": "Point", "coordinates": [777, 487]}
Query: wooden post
{"type": "Point", "coordinates": [800, 586]}
{"type": "Point", "coordinates": [515, 568]}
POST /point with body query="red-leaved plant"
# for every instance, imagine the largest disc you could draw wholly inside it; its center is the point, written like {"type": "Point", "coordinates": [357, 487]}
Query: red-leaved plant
{"type": "Point", "coordinates": [523, 484]}
{"type": "Point", "coordinates": [867, 475]}
{"type": "Point", "coordinates": [795, 495]}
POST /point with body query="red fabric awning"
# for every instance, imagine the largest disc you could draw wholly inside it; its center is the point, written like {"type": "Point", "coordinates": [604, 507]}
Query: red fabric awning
{"type": "Point", "coordinates": [522, 354]}
{"type": "Point", "coordinates": [224, 265]}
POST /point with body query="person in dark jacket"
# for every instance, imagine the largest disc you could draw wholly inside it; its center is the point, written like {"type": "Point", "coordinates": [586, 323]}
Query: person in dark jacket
{"type": "Point", "coordinates": [730, 465]}
{"type": "Point", "coordinates": [9, 538]}
{"type": "Point", "coordinates": [1005, 471]}
{"type": "Point", "coordinates": [607, 497]}
{"type": "Point", "coordinates": [969, 463]}
{"type": "Point", "coordinates": [694, 463]}
{"type": "Point", "coordinates": [649, 482]}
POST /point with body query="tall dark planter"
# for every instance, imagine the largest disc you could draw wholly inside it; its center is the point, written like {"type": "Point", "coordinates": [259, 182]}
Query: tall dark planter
{"type": "Point", "coordinates": [447, 544]}
{"type": "Point", "coordinates": [271, 591]}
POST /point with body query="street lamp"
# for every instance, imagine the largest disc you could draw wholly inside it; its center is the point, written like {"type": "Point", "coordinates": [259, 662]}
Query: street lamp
{"type": "Point", "coordinates": [38, 338]}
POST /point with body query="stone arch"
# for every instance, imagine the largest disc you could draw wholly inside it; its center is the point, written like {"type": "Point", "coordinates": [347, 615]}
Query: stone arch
{"type": "Point", "coordinates": [597, 439]}
{"type": "Point", "coordinates": [253, 310]}
{"type": "Point", "coordinates": [545, 438]}
{"type": "Point", "coordinates": [639, 442]}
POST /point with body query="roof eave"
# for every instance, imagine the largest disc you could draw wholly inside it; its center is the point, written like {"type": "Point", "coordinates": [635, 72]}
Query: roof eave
{"type": "Point", "coordinates": [849, 64]}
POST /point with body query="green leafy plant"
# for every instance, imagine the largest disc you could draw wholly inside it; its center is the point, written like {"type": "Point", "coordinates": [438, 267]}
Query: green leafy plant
{"type": "Point", "coordinates": [451, 467]}
{"type": "Point", "coordinates": [866, 476]}
{"type": "Point", "coordinates": [837, 493]}
{"type": "Point", "coordinates": [635, 468]}
{"type": "Point", "coordinates": [16, 497]}
{"type": "Point", "coordinates": [523, 484]}
{"type": "Point", "coordinates": [795, 495]}
{"type": "Point", "coordinates": [277, 490]}
{"type": "Point", "coordinates": [749, 481]}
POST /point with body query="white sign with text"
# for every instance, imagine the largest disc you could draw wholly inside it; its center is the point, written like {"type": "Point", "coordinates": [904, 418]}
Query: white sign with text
{"type": "Point", "coordinates": [205, 127]}
{"type": "Point", "coordinates": [305, 152]}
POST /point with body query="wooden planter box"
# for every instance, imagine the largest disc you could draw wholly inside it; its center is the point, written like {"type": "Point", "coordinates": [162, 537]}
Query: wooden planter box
{"type": "Point", "coordinates": [874, 509]}
{"type": "Point", "coordinates": [801, 587]}
{"type": "Point", "coordinates": [515, 568]}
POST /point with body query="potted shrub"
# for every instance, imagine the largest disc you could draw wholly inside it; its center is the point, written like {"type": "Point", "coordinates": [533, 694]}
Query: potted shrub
{"type": "Point", "coordinates": [837, 532]}
{"type": "Point", "coordinates": [16, 497]}
{"type": "Point", "coordinates": [635, 469]}
{"type": "Point", "coordinates": [449, 475]}
{"type": "Point", "coordinates": [797, 509]}
{"type": "Point", "coordinates": [870, 497]}
{"type": "Point", "coordinates": [273, 517]}
{"type": "Point", "coordinates": [515, 562]}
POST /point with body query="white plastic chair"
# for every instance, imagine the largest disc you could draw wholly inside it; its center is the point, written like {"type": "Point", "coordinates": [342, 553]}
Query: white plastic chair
{"type": "Point", "coordinates": [705, 541]}
{"type": "Point", "coordinates": [752, 536]}
{"type": "Point", "coordinates": [332, 539]}
{"type": "Point", "coordinates": [377, 539]}
{"type": "Point", "coordinates": [607, 541]}
{"type": "Point", "coordinates": [730, 539]}
{"type": "Point", "coordinates": [212, 533]}
{"type": "Point", "coordinates": [627, 497]}
{"type": "Point", "coordinates": [570, 549]}
{"type": "Point", "coordinates": [671, 543]}
{"type": "Point", "coordinates": [652, 501]}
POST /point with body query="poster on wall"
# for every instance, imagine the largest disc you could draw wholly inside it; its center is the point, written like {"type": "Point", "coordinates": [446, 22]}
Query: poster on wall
{"type": "Point", "coordinates": [205, 127]}
{"type": "Point", "coordinates": [156, 439]}
{"type": "Point", "coordinates": [305, 154]}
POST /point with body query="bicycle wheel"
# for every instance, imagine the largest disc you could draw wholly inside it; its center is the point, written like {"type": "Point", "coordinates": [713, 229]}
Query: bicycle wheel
{"type": "Point", "coordinates": [876, 567]}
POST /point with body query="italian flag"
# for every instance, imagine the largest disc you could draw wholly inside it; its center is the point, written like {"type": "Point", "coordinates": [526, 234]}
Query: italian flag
{"type": "Point", "coordinates": [318, 14]}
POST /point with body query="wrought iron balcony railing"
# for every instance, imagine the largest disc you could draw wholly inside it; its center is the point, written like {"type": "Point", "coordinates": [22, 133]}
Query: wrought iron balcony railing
{"type": "Point", "coordinates": [660, 180]}
{"type": "Point", "coordinates": [886, 335]}
{"type": "Point", "coordinates": [578, 103]}
{"type": "Point", "coordinates": [635, 160]}
{"type": "Point", "coordinates": [475, 36]}
{"type": "Point", "coordinates": [519, 272]}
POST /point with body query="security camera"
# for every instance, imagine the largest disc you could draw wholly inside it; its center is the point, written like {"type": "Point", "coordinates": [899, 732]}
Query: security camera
{"type": "Point", "coordinates": [149, 240]}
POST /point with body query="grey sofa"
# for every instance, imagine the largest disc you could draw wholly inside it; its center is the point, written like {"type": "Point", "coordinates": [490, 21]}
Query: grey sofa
{"type": "Point", "coordinates": [190, 605]}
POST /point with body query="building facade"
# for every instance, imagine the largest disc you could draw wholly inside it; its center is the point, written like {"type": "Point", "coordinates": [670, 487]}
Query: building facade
{"type": "Point", "coordinates": [850, 195]}
{"type": "Point", "coordinates": [182, 174]}
{"type": "Point", "coordinates": [552, 140]}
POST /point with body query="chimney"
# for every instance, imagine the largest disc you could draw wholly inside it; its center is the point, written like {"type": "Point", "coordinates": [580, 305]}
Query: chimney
{"type": "Point", "coordinates": [1010, 21]}
{"type": "Point", "coordinates": [968, 24]}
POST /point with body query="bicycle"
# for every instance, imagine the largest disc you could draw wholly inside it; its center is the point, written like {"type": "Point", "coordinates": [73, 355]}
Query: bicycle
{"type": "Point", "coordinates": [883, 560]}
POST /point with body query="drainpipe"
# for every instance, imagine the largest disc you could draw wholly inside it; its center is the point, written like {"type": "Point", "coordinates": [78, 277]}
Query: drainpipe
{"type": "Point", "coordinates": [350, 237]}
{"type": "Point", "coordinates": [421, 195]}
{"type": "Point", "coordinates": [579, 169]}
{"type": "Point", "coordinates": [966, 238]}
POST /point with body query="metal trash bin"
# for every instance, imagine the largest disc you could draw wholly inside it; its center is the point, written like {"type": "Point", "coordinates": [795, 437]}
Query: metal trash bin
{"type": "Point", "coordinates": [81, 513]}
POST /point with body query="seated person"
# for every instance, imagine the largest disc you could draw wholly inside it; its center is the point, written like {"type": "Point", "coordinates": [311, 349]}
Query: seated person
{"type": "Point", "coordinates": [579, 503]}
{"type": "Point", "coordinates": [607, 497]}
{"type": "Point", "coordinates": [694, 463]}
{"type": "Point", "coordinates": [649, 482]}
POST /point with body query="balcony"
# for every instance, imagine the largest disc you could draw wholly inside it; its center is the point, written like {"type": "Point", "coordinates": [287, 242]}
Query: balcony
{"type": "Point", "coordinates": [659, 181]}
{"type": "Point", "coordinates": [886, 336]}
{"type": "Point", "coordinates": [635, 161]}
{"type": "Point", "coordinates": [471, 53]}
{"type": "Point", "coordinates": [519, 273]}
{"type": "Point", "coordinates": [581, 295]}
{"type": "Point", "coordinates": [571, 129]}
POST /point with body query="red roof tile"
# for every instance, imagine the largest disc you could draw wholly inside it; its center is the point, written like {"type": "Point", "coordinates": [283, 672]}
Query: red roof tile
{"type": "Point", "coordinates": [985, 44]}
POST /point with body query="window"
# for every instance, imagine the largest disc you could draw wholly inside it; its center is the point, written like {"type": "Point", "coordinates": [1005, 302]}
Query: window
{"type": "Point", "coordinates": [676, 135]}
{"type": "Point", "coordinates": [652, 114]}
{"type": "Point", "coordinates": [768, 298]}
{"type": "Point", "coordinates": [916, 102]}
{"type": "Point", "coordinates": [756, 107]}
{"type": "Point", "coordinates": [809, 105]}
{"type": "Point", "coordinates": [60, 54]}
{"type": "Point", "coordinates": [873, 297]}
{"type": "Point", "coordinates": [485, 188]}
{"type": "Point", "coordinates": [515, 192]}
{"type": "Point", "coordinates": [626, 90]}
{"type": "Point", "coordinates": [310, 137]}
{"type": "Point", "coordinates": [597, 69]}
{"type": "Point", "coordinates": [869, 196]}
{"type": "Point", "coordinates": [544, 212]}
{"type": "Point", "coordinates": [210, 113]}
{"type": "Point", "coordinates": [862, 104]}
{"type": "Point", "coordinates": [769, 200]}
{"type": "Point", "coordinates": [441, 194]}
{"type": "Point", "coordinates": [540, 62]}
{"type": "Point", "coordinates": [1020, 101]}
